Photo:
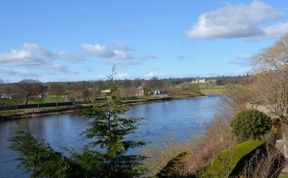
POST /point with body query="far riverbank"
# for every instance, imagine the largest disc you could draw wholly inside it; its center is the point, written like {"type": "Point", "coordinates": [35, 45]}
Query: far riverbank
{"type": "Point", "coordinates": [40, 112]}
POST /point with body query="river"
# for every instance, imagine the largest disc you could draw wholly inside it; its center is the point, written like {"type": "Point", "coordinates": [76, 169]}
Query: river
{"type": "Point", "coordinates": [181, 119]}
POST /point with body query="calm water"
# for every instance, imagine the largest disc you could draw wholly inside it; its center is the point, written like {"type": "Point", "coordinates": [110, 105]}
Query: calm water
{"type": "Point", "coordinates": [181, 119]}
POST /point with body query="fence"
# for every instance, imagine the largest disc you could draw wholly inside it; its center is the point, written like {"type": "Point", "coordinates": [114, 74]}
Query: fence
{"type": "Point", "coordinates": [41, 105]}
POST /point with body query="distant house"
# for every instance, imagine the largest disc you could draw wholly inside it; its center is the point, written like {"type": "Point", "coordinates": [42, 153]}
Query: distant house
{"type": "Point", "coordinates": [105, 91]}
{"type": "Point", "coordinates": [202, 80]}
{"type": "Point", "coordinates": [157, 92]}
{"type": "Point", "coordinates": [211, 81]}
{"type": "Point", "coordinates": [198, 80]}
{"type": "Point", "coordinates": [6, 96]}
{"type": "Point", "coordinates": [140, 91]}
{"type": "Point", "coordinates": [45, 94]}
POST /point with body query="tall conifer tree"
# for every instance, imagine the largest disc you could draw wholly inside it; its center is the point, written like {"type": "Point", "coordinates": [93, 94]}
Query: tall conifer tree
{"type": "Point", "coordinates": [107, 154]}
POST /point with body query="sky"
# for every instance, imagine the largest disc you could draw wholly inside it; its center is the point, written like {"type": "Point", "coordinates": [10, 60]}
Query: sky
{"type": "Point", "coordinates": [52, 40]}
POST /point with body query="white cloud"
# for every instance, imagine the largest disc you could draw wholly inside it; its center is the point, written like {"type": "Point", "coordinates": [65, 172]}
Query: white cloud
{"type": "Point", "coordinates": [98, 50]}
{"type": "Point", "coordinates": [114, 54]}
{"type": "Point", "coordinates": [243, 60]}
{"type": "Point", "coordinates": [57, 68]}
{"type": "Point", "coordinates": [69, 56]}
{"type": "Point", "coordinates": [238, 21]}
{"type": "Point", "coordinates": [151, 75]}
{"type": "Point", "coordinates": [32, 55]}
{"type": "Point", "coordinates": [276, 30]}
{"type": "Point", "coordinates": [31, 59]}
{"type": "Point", "coordinates": [18, 72]}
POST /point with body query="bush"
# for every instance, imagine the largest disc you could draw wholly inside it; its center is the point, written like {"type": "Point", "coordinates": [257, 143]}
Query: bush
{"type": "Point", "coordinates": [250, 124]}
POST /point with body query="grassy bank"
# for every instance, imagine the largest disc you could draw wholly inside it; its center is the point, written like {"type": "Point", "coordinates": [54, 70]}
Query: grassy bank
{"type": "Point", "coordinates": [29, 113]}
{"type": "Point", "coordinates": [212, 89]}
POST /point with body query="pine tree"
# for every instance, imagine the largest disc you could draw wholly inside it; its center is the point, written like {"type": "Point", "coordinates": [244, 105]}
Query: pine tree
{"type": "Point", "coordinates": [109, 128]}
{"type": "Point", "coordinates": [106, 156]}
{"type": "Point", "coordinates": [41, 160]}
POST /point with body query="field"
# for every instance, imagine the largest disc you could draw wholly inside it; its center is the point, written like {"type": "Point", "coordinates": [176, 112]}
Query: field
{"type": "Point", "coordinates": [212, 89]}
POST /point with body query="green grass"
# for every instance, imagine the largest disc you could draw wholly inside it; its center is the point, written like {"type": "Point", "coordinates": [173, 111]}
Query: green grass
{"type": "Point", "coordinates": [284, 175]}
{"type": "Point", "coordinates": [10, 112]}
{"type": "Point", "coordinates": [25, 112]}
{"type": "Point", "coordinates": [47, 100]}
{"type": "Point", "coordinates": [212, 89]}
{"type": "Point", "coordinates": [98, 102]}
{"type": "Point", "coordinates": [210, 86]}
{"type": "Point", "coordinates": [226, 161]}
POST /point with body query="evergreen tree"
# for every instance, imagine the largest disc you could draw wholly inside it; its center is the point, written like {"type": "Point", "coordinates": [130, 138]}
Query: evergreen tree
{"type": "Point", "coordinates": [41, 160]}
{"type": "Point", "coordinates": [105, 156]}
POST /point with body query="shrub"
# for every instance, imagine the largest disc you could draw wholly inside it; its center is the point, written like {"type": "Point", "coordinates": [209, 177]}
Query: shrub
{"type": "Point", "coordinates": [250, 124]}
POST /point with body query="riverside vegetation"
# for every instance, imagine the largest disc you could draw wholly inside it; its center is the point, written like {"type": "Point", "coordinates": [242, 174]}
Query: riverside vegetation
{"type": "Point", "coordinates": [34, 92]}
{"type": "Point", "coordinates": [240, 142]}
{"type": "Point", "coordinates": [39, 99]}
{"type": "Point", "coordinates": [105, 156]}
{"type": "Point", "coordinates": [243, 142]}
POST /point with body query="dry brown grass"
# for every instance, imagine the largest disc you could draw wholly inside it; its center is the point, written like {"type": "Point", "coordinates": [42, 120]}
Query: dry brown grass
{"type": "Point", "coordinates": [161, 153]}
{"type": "Point", "coordinates": [203, 149]}
{"type": "Point", "coordinates": [265, 164]}
{"type": "Point", "coordinates": [217, 137]}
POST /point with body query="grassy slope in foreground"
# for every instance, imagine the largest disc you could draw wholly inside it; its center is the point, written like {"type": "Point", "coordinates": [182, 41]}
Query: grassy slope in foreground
{"type": "Point", "coordinates": [226, 161]}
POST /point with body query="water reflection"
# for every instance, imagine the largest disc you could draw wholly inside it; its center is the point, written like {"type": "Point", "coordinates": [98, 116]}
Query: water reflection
{"type": "Point", "coordinates": [180, 118]}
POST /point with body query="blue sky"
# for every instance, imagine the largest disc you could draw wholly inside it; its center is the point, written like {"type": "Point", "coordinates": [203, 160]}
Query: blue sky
{"type": "Point", "coordinates": [81, 40]}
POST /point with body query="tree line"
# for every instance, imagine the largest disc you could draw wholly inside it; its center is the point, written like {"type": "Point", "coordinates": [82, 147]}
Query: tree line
{"type": "Point", "coordinates": [29, 90]}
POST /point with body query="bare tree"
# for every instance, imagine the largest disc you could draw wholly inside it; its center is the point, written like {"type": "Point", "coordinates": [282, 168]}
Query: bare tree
{"type": "Point", "coordinates": [273, 91]}
{"type": "Point", "coordinates": [266, 163]}
{"type": "Point", "coordinates": [30, 88]}
{"type": "Point", "coordinates": [272, 81]}
{"type": "Point", "coordinates": [274, 57]}
{"type": "Point", "coordinates": [57, 90]}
